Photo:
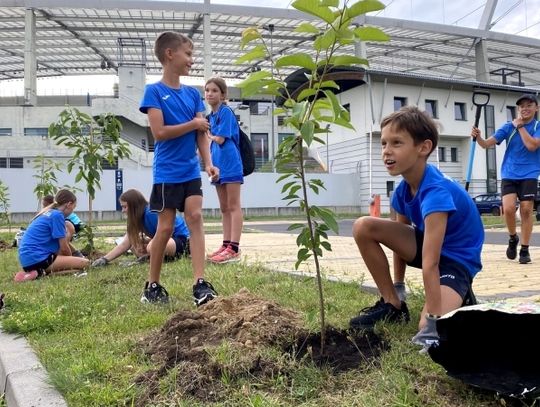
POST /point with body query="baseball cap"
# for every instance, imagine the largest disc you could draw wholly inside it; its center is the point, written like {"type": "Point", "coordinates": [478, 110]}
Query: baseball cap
{"type": "Point", "coordinates": [527, 96]}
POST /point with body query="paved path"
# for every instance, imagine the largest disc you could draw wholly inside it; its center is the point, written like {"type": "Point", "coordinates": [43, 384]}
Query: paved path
{"type": "Point", "coordinates": [500, 278]}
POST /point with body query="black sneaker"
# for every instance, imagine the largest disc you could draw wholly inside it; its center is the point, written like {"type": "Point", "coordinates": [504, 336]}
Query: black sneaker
{"type": "Point", "coordinates": [381, 311]}
{"type": "Point", "coordinates": [511, 250]}
{"type": "Point", "coordinates": [154, 292]}
{"type": "Point", "coordinates": [203, 292]}
{"type": "Point", "coordinates": [524, 256]}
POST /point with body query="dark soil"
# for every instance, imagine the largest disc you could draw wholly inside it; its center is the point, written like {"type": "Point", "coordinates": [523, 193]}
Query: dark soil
{"type": "Point", "coordinates": [191, 346]}
{"type": "Point", "coordinates": [4, 245]}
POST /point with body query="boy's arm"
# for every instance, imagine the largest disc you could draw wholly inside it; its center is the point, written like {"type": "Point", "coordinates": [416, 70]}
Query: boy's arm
{"type": "Point", "coordinates": [399, 263]}
{"type": "Point", "coordinates": [476, 134]}
{"type": "Point", "coordinates": [531, 143]}
{"type": "Point", "coordinates": [203, 143]}
{"type": "Point", "coordinates": [435, 230]}
{"type": "Point", "coordinates": [162, 132]}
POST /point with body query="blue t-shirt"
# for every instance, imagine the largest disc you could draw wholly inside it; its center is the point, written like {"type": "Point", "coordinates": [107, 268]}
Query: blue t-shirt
{"type": "Point", "coordinates": [41, 239]}
{"type": "Point", "coordinates": [518, 162]}
{"type": "Point", "coordinates": [226, 156]}
{"type": "Point", "coordinates": [150, 222]}
{"type": "Point", "coordinates": [175, 160]}
{"type": "Point", "coordinates": [464, 235]}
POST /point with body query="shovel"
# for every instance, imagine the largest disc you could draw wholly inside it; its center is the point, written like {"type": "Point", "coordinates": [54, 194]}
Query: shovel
{"type": "Point", "coordinates": [480, 99]}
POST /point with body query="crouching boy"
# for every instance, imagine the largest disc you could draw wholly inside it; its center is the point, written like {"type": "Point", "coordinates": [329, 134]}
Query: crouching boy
{"type": "Point", "coordinates": [437, 229]}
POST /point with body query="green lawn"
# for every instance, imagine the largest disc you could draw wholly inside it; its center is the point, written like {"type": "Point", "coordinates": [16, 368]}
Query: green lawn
{"type": "Point", "coordinates": [87, 332]}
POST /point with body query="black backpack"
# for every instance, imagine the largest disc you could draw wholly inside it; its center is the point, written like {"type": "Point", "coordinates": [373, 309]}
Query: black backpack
{"type": "Point", "coordinates": [245, 147]}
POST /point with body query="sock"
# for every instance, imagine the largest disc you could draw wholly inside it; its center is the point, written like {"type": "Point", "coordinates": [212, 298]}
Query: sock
{"type": "Point", "coordinates": [513, 237]}
{"type": "Point", "coordinates": [525, 247]}
{"type": "Point", "coordinates": [400, 289]}
{"type": "Point", "coordinates": [235, 246]}
{"type": "Point", "coordinates": [226, 243]}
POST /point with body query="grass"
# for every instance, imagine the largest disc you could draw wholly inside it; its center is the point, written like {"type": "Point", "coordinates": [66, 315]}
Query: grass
{"type": "Point", "coordinates": [86, 332]}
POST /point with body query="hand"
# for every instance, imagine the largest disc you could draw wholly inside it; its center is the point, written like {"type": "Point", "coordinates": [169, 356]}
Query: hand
{"type": "Point", "coordinates": [101, 262]}
{"type": "Point", "coordinates": [213, 173]}
{"type": "Point", "coordinates": [427, 336]}
{"type": "Point", "coordinates": [475, 133]}
{"type": "Point", "coordinates": [201, 124]}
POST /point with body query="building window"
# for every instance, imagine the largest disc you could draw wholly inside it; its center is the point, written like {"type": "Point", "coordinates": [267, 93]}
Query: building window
{"type": "Point", "coordinates": [106, 165]}
{"type": "Point", "coordinates": [442, 154]}
{"type": "Point", "coordinates": [431, 108]}
{"type": "Point", "coordinates": [453, 155]}
{"type": "Point", "coordinates": [281, 120]}
{"type": "Point", "coordinates": [11, 162]}
{"type": "Point", "coordinates": [36, 131]}
{"type": "Point", "coordinates": [399, 102]}
{"type": "Point", "coordinates": [510, 113]}
{"type": "Point", "coordinates": [5, 131]}
{"type": "Point", "coordinates": [16, 162]}
{"type": "Point", "coordinates": [459, 111]}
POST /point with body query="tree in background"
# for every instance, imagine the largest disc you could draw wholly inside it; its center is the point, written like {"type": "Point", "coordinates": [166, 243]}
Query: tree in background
{"type": "Point", "coordinates": [309, 112]}
{"type": "Point", "coordinates": [4, 205]}
{"type": "Point", "coordinates": [92, 141]}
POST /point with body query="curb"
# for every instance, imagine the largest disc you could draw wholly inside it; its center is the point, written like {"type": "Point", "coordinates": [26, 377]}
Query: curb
{"type": "Point", "coordinates": [23, 379]}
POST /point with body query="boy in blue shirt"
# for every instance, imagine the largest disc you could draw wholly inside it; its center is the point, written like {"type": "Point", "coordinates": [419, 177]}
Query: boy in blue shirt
{"type": "Point", "coordinates": [175, 115]}
{"type": "Point", "coordinates": [519, 171]}
{"type": "Point", "coordinates": [437, 229]}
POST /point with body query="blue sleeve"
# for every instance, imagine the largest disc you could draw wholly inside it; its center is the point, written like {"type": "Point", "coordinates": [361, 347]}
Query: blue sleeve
{"type": "Point", "coordinates": [227, 126]}
{"type": "Point", "coordinates": [437, 199]}
{"type": "Point", "coordinates": [150, 99]}
{"type": "Point", "coordinates": [58, 225]}
{"type": "Point", "coordinates": [537, 131]}
{"type": "Point", "coordinates": [503, 132]}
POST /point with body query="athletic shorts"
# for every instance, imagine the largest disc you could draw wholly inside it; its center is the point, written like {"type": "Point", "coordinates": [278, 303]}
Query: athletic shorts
{"type": "Point", "coordinates": [452, 273]}
{"type": "Point", "coordinates": [42, 266]}
{"type": "Point", "coordinates": [173, 196]}
{"type": "Point", "coordinates": [525, 189]}
{"type": "Point", "coordinates": [182, 248]}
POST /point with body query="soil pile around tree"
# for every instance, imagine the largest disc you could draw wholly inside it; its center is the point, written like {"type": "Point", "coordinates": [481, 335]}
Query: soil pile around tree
{"type": "Point", "coordinates": [232, 337]}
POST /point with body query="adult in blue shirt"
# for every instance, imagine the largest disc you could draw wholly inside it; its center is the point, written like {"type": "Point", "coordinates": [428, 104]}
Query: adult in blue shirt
{"type": "Point", "coordinates": [519, 171]}
{"type": "Point", "coordinates": [437, 229]}
{"type": "Point", "coordinates": [141, 229]}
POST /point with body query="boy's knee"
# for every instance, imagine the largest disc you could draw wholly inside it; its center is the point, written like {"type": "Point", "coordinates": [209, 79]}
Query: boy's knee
{"type": "Point", "coordinates": [193, 217]}
{"type": "Point", "coordinates": [362, 226]}
{"type": "Point", "coordinates": [164, 230]}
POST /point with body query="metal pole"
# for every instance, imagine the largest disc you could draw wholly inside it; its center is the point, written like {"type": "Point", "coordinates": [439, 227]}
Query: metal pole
{"type": "Point", "coordinates": [272, 141]}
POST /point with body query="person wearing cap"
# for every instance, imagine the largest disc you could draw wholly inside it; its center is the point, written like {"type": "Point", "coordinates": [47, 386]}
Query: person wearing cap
{"type": "Point", "coordinates": [519, 171]}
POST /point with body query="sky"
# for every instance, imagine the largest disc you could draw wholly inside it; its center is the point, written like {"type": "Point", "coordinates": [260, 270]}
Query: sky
{"type": "Point", "coordinates": [520, 17]}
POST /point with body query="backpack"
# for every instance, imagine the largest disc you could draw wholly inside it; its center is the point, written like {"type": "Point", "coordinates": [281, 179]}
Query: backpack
{"type": "Point", "coordinates": [245, 147]}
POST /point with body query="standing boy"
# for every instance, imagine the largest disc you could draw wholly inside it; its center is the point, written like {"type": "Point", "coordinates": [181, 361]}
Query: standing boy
{"type": "Point", "coordinates": [175, 114]}
{"type": "Point", "coordinates": [437, 229]}
{"type": "Point", "coordinates": [519, 171]}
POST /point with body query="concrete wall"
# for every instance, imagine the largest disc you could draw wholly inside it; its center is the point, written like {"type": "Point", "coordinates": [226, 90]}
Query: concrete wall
{"type": "Point", "coordinates": [260, 193]}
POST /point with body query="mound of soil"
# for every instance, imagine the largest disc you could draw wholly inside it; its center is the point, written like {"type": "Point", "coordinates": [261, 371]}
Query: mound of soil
{"type": "Point", "coordinates": [231, 336]}
{"type": "Point", "coordinates": [4, 245]}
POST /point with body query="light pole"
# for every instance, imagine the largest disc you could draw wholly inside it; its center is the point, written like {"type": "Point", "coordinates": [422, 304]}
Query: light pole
{"type": "Point", "coordinates": [270, 28]}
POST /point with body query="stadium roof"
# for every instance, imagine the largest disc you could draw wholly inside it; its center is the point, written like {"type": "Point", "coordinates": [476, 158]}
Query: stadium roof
{"type": "Point", "coordinates": [75, 37]}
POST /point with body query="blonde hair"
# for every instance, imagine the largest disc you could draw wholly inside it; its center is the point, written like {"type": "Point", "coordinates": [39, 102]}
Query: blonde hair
{"type": "Point", "coordinates": [62, 197]}
{"type": "Point", "coordinates": [136, 204]}
{"type": "Point", "coordinates": [169, 40]}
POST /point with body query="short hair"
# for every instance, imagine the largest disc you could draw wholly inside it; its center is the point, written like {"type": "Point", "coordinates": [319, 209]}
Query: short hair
{"type": "Point", "coordinates": [47, 200]}
{"type": "Point", "coordinates": [414, 121]}
{"type": "Point", "coordinates": [169, 39]}
{"type": "Point", "coordinates": [220, 83]}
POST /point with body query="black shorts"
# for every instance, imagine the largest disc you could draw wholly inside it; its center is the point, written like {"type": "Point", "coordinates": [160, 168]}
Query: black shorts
{"type": "Point", "coordinates": [182, 248]}
{"type": "Point", "coordinates": [525, 189]}
{"type": "Point", "coordinates": [173, 196]}
{"type": "Point", "coordinates": [42, 265]}
{"type": "Point", "coordinates": [452, 273]}
{"type": "Point", "coordinates": [77, 226]}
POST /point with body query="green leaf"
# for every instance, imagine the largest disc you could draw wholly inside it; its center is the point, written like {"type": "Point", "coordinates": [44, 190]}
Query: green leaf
{"type": "Point", "coordinates": [314, 8]}
{"type": "Point", "coordinates": [328, 84]}
{"type": "Point", "coordinates": [363, 7]}
{"type": "Point", "coordinates": [248, 35]}
{"type": "Point", "coordinates": [370, 34]}
{"type": "Point", "coordinates": [257, 52]}
{"type": "Point", "coordinates": [307, 28]}
{"type": "Point", "coordinates": [334, 102]}
{"type": "Point", "coordinates": [307, 131]}
{"type": "Point", "coordinates": [325, 41]}
{"type": "Point", "coordinates": [343, 123]}
{"type": "Point", "coordinates": [306, 93]}
{"type": "Point", "coordinates": [349, 60]}
{"type": "Point", "coordinates": [300, 59]}
{"type": "Point", "coordinates": [329, 219]}
{"type": "Point", "coordinates": [295, 226]}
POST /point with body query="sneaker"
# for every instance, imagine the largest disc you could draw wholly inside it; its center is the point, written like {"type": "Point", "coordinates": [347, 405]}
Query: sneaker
{"type": "Point", "coordinates": [154, 293]}
{"type": "Point", "coordinates": [215, 253]}
{"type": "Point", "coordinates": [203, 292]}
{"type": "Point", "coordinates": [26, 276]}
{"type": "Point", "coordinates": [381, 311]}
{"type": "Point", "coordinates": [511, 251]}
{"type": "Point", "coordinates": [228, 255]}
{"type": "Point", "coordinates": [524, 256]}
